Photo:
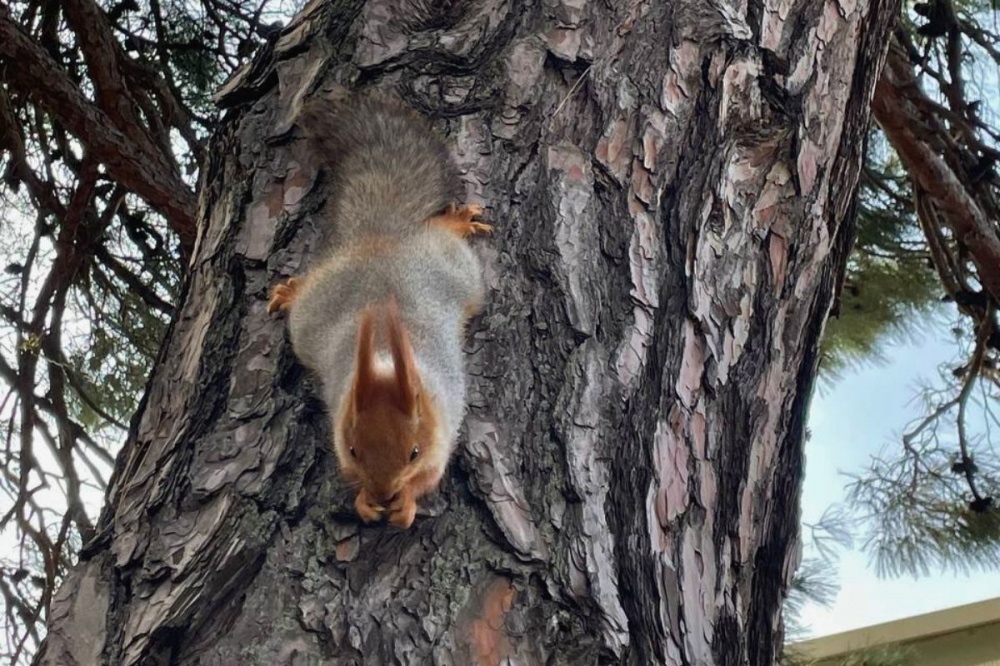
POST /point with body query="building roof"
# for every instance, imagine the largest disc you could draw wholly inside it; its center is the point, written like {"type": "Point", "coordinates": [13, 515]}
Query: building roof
{"type": "Point", "coordinates": [966, 635]}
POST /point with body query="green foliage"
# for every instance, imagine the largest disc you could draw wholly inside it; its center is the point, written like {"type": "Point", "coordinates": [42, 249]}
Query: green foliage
{"type": "Point", "coordinates": [814, 582]}
{"type": "Point", "coordinates": [879, 656]}
{"type": "Point", "coordinates": [123, 322]}
{"type": "Point", "coordinates": [194, 70]}
{"type": "Point", "coordinates": [915, 515]}
{"type": "Point", "coordinates": [885, 300]}
{"type": "Point", "coordinates": [882, 656]}
{"type": "Point", "coordinates": [890, 291]}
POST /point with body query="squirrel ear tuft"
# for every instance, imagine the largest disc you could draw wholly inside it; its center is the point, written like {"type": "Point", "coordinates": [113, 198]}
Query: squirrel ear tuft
{"type": "Point", "coordinates": [407, 380]}
{"type": "Point", "coordinates": [364, 362]}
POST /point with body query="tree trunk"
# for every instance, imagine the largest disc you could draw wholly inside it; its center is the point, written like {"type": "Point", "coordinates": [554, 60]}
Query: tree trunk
{"type": "Point", "coordinates": [672, 186]}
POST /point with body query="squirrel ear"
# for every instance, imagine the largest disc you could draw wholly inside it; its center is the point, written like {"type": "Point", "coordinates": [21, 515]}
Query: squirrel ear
{"type": "Point", "coordinates": [364, 363]}
{"type": "Point", "coordinates": [404, 365]}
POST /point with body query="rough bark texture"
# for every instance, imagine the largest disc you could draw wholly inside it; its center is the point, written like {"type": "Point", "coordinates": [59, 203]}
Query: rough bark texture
{"type": "Point", "coordinates": [672, 185]}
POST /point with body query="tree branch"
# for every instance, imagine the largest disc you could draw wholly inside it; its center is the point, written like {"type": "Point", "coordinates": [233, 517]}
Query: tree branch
{"type": "Point", "coordinates": [30, 70]}
{"type": "Point", "coordinates": [101, 53]}
{"type": "Point", "coordinates": [896, 114]}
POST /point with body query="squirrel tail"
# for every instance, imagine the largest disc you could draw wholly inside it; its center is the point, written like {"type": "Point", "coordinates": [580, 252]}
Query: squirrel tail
{"type": "Point", "coordinates": [402, 388]}
{"type": "Point", "coordinates": [390, 169]}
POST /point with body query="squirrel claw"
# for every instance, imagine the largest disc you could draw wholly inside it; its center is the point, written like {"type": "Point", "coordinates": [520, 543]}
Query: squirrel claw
{"type": "Point", "coordinates": [466, 212]}
{"type": "Point", "coordinates": [458, 220]}
{"type": "Point", "coordinates": [283, 295]}
{"type": "Point", "coordinates": [403, 511]}
{"type": "Point", "coordinates": [367, 510]}
{"type": "Point", "coordinates": [479, 228]}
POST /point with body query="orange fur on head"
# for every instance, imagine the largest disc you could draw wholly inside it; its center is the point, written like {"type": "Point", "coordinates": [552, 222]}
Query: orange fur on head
{"type": "Point", "coordinates": [388, 417]}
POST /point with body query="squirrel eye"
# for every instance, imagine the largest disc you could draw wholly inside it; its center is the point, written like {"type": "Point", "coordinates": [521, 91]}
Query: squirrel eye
{"type": "Point", "coordinates": [414, 453]}
{"type": "Point", "coordinates": [353, 454]}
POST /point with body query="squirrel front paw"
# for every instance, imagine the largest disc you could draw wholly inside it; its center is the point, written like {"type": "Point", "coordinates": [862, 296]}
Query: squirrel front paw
{"type": "Point", "coordinates": [402, 510]}
{"type": "Point", "coordinates": [368, 509]}
{"type": "Point", "coordinates": [283, 295]}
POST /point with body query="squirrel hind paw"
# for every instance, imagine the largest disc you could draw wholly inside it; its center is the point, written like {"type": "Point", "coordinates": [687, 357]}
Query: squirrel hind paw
{"type": "Point", "coordinates": [284, 295]}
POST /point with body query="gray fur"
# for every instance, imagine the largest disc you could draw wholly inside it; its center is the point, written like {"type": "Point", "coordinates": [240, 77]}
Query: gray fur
{"type": "Point", "coordinates": [390, 169]}
{"type": "Point", "coordinates": [434, 277]}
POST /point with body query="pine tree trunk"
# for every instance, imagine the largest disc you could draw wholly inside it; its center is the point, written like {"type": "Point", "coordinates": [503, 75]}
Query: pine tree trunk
{"type": "Point", "coordinates": [672, 186]}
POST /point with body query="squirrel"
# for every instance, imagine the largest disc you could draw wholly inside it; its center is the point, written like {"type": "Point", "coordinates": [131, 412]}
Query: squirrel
{"type": "Point", "coordinates": [381, 316]}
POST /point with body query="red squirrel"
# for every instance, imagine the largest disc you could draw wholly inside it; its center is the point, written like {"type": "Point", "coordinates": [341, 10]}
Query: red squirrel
{"type": "Point", "coordinates": [381, 316]}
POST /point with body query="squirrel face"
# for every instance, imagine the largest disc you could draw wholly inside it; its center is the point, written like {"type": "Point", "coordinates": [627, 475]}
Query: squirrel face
{"type": "Point", "coordinates": [388, 426]}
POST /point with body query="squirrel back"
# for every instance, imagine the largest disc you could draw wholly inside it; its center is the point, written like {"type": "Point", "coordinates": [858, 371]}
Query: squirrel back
{"type": "Point", "coordinates": [391, 171]}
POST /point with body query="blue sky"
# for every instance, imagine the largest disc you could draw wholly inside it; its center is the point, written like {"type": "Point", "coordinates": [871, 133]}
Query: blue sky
{"type": "Point", "coordinates": [852, 420]}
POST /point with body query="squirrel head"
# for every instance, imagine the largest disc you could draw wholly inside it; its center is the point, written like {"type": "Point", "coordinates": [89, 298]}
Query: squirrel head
{"type": "Point", "coordinates": [388, 427]}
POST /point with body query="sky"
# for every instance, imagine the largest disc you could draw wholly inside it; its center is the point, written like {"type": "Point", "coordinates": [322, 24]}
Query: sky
{"type": "Point", "coordinates": [851, 421]}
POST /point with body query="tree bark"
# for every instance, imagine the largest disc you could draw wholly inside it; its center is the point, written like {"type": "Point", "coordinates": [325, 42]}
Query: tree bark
{"type": "Point", "coordinates": [672, 186]}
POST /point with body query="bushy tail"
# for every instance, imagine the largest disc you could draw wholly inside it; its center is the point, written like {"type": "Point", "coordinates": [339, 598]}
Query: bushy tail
{"type": "Point", "coordinates": [390, 169]}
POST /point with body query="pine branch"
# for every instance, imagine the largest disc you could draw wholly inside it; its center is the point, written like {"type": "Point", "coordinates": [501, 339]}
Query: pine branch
{"type": "Point", "coordinates": [895, 112]}
{"type": "Point", "coordinates": [138, 166]}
